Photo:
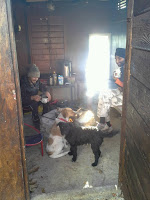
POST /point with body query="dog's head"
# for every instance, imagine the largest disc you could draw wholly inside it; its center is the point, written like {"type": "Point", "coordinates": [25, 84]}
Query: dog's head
{"type": "Point", "coordinates": [67, 113]}
{"type": "Point", "coordinates": [64, 128]}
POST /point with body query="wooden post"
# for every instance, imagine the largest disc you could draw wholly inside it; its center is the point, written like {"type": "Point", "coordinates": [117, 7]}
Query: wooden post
{"type": "Point", "coordinates": [13, 173]}
{"type": "Point", "coordinates": [126, 88]}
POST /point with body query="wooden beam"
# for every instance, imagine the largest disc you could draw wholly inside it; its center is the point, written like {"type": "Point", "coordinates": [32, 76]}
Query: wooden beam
{"type": "Point", "coordinates": [13, 173]}
{"type": "Point", "coordinates": [126, 90]}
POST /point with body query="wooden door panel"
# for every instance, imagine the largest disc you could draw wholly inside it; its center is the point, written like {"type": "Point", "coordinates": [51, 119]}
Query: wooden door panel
{"type": "Point", "coordinates": [139, 132]}
{"type": "Point", "coordinates": [140, 66]}
{"type": "Point", "coordinates": [39, 21]}
{"type": "Point", "coordinates": [47, 58]}
{"type": "Point", "coordinates": [13, 174]}
{"type": "Point", "coordinates": [140, 169]}
{"type": "Point", "coordinates": [139, 96]}
{"type": "Point", "coordinates": [47, 34]}
{"type": "Point", "coordinates": [47, 46]}
{"type": "Point", "coordinates": [141, 30]}
{"type": "Point", "coordinates": [141, 6]}
{"type": "Point", "coordinates": [52, 20]}
{"type": "Point", "coordinates": [41, 57]}
{"type": "Point", "coordinates": [47, 28]}
{"type": "Point", "coordinates": [41, 51]}
{"type": "Point", "coordinates": [131, 172]}
{"type": "Point", "coordinates": [43, 65]}
{"type": "Point", "coordinates": [135, 135]}
{"type": "Point", "coordinates": [56, 20]}
{"type": "Point", "coordinates": [46, 41]}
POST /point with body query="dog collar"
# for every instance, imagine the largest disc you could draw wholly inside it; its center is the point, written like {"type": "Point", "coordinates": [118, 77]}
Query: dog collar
{"type": "Point", "coordinates": [61, 119]}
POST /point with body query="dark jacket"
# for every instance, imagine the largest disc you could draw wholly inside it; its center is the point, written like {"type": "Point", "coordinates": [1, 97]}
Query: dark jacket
{"type": "Point", "coordinates": [29, 89]}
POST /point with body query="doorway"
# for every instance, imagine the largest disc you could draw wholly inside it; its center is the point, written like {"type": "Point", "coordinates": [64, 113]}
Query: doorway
{"type": "Point", "coordinates": [56, 175]}
{"type": "Point", "coordinates": [98, 63]}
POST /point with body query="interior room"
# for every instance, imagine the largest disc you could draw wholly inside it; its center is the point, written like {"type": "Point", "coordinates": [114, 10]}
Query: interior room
{"type": "Point", "coordinates": [71, 23]}
{"type": "Point", "coordinates": [73, 45]}
{"type": "Point", "coordinates": [84, 35]}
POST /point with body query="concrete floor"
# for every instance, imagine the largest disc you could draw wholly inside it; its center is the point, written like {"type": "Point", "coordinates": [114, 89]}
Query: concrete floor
{"type": "Point", "coordinates": [100, 193]}
{"type": "Point", "coordinates": [61, 179]}
{"type": "Point", "coordinates": [60, 175]}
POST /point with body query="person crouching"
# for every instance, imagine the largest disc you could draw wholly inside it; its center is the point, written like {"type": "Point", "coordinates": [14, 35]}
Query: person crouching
{"type": "Point", "coordinates": [30, 87]}
{"type": "Point", "coordinates": [114, 97]}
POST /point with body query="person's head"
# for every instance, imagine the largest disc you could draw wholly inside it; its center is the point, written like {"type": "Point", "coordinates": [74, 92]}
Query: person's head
{"type": "Point", "coordinates": [120, 56]}
{"type": "Point", "coordinates": [33, 73]}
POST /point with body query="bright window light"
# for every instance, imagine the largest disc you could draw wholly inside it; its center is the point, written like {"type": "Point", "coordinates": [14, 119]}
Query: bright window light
{"type": "Point", "coordinates": [98, 64]}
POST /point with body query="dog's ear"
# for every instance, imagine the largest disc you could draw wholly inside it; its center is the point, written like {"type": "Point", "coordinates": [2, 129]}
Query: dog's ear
{"type": "Point", "coordinates": [64, 113]}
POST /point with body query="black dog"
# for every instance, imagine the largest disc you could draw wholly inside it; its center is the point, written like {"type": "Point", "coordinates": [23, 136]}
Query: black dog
{"type": "Point", "coordinates": [76, 136]}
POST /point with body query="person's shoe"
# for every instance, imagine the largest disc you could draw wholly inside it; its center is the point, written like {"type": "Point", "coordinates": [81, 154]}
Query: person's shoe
{"type": "Point", "coordinates": [35, 118]}
{"type": "Point", "coordinates": [104, 127]}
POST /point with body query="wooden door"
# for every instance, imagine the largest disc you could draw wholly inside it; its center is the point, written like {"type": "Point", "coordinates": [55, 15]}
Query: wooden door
{"type": "Point", "coordinates": [135, 136]}
{"type": "Point", "coordinates": [13, 175]}
{"type": "Point", "coordinates": [46, 36]}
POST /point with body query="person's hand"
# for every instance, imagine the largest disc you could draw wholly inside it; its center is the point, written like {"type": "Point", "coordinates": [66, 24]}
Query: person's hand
{"type": "Point", "coordinates": [115, 78]}
{"type": "Point", "coordinates": [48, 96]}
{"type": "Point", "coordinates": [36, 98]}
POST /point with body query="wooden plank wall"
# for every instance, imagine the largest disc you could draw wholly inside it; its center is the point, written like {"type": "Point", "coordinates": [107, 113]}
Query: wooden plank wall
{"type": "Point", "coordinates": [46, 36]}
{"type": "Point", "coordinates": [21, 37]}
{"type": "Point", "coordinates": [13, 173]}
{"type": "Point", "coordinates": [135, 150]}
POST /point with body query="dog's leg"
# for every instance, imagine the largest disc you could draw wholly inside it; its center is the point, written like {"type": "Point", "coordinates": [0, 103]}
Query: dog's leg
{"type": "Point", "coordinates": [73, 151]}
{"type": "Point", "coordinates": [97, 154]}
{"type": "Point", "coordinates": [65, 144]}
{"type": "Point", "coordinates": [70, 152]}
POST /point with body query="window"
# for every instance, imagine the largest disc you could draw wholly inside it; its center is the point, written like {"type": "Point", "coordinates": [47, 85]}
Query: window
{"type": "Point", "coordinates": [122, 4]}
{"type": "Point", "coordinates": [98, 63]}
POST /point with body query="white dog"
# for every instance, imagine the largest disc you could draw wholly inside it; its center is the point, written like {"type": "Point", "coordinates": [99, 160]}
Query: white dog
{"type": "Point", "coordinates": [57, 142]}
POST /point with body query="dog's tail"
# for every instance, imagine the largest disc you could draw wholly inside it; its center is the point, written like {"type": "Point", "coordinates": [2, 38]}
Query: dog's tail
{"type": "Point", "coordinates": [59, 155]}
{"type": "Point", "coordinates": [111, 134]}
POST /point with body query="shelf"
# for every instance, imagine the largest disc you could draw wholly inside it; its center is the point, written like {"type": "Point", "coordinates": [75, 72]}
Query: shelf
{"type": "Point", "coordinates": [61, 86]}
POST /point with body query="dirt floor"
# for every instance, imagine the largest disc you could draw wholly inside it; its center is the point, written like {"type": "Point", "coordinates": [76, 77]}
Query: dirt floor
{"type": "Point", "coordinates": [60, 175]}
